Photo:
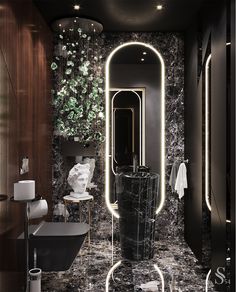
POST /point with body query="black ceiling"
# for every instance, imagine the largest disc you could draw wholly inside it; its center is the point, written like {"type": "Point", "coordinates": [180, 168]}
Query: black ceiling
{"type": "Point", "coordinates": [125, 15]}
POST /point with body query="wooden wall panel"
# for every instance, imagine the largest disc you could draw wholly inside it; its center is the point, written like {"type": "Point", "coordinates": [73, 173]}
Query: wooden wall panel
{"type": "Point", "coordinates": [42, 122]}
{"type": "Point", "coordinates": [25, 122]}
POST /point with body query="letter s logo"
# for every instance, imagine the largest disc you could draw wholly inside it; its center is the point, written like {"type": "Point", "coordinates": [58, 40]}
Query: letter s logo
{"type": "Point", "coordinates": [220, 275]}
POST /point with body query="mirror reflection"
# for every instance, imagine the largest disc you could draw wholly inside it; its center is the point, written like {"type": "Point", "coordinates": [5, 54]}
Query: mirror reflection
{"type": "Point", "coordinates": [135, 83]}
{"type": "Point", "coordinates": [128, 128]}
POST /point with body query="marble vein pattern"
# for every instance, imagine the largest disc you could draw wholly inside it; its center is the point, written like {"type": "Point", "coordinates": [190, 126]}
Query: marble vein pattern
{"type": "Point", "coordinates": [137, 204]}
{"type": "Point", "coordinates": [171, 221]}
{"type": "Point", "coordinates": [180, 270]}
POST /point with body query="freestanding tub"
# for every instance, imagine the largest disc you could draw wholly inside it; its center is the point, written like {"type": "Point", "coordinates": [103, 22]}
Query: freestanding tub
{"type": "Point", "coordinates": [54, 245]}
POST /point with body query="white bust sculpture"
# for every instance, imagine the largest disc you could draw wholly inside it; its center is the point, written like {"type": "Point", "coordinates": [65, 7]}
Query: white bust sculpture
{"type": "Point", "coordinates": [78, 179]}
{"type": "Point", "coordinates": [91, 162]}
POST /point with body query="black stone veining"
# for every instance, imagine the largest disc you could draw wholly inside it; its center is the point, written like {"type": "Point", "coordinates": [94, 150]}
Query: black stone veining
{"type": "Point", "coordinates": [89, 271]}
{"type": "Point", "coordinates": [171, 46]}
{"type": "Point", "coordinates": [137, 203]}
{"type": "Point", "coordinates": [173, 257]}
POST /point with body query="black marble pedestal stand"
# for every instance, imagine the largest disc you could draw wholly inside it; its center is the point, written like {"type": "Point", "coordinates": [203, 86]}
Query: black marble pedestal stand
{"type": "Point", "coordinates": [137, 203]}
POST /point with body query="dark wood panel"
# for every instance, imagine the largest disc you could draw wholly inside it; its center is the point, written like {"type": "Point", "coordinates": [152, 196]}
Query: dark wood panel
{"type": "Point", "coordinates": [25, 122]}
{"type": "Point", "coordinates": [42, 123]}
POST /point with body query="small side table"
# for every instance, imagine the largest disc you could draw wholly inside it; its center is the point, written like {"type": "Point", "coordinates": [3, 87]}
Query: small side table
{"type": "Point", "coordinates": [71, 200]}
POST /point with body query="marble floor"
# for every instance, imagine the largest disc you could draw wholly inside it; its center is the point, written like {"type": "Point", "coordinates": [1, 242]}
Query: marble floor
{"type": "Point", "coordinates": [173, 269]}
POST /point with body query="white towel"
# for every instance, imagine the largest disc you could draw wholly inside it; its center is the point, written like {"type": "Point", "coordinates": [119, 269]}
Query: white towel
{"type": "Point", "coordinates": [181, 180]}
{"type": "Point", "coordinates": [173, 175]}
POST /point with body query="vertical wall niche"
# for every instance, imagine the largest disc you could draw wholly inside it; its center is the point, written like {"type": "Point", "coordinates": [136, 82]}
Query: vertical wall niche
{"type": "Point", "coordinates": [170, 220]}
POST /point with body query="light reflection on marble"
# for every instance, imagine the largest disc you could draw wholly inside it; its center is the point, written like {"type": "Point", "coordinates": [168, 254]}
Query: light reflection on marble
{"type": "Point", "coordinates": [89, 272]}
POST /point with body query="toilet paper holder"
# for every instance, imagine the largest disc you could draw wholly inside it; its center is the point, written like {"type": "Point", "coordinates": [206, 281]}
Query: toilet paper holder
{"type": "Point", "coordinates": [37, 209]}
{"type": "Point", "coordinates": [26, 233]}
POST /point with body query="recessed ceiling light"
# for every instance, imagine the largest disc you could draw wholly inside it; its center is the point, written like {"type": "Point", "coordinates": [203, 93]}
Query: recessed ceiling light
{"type": "Point", "coordinates": [142, 59]}
{"type": "Point", "coordinates": [59, 24]}
{"type": "Point", "coordinates": [144, 53]}
{"type": "Point", "coordinates": [228, 44]}
{"type": "Point", "coordinates": [76, 7]}
{"type": "Point", "coordinates": [159, 7]}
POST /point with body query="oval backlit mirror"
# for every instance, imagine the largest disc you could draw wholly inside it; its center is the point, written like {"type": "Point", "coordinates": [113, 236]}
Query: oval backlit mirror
{"type": "Point", "coordinates": [135, 115]}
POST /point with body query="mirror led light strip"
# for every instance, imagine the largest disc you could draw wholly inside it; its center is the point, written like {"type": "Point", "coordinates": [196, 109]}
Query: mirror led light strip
{"type": "Point", "coordinates": [207, 279]}
{"type": "Point", "coordinates": [111, 271]}
{"type": "Point", "coordinates": [162, 278]}
{"type": "Point", "coordinates": [108, 154]}
{"type": "Point", "coordinates": [142, 133]}
{"type": "Point", "coordinates": [207, 134]}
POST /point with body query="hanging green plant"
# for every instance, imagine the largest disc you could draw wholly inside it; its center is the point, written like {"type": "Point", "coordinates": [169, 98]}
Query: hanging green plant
{"type": "Point", "coordinates": [78, 96]}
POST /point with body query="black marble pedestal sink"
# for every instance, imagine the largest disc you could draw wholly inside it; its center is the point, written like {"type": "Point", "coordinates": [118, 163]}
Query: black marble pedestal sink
{"type": "Point", "coordinates": [129, 168]}
{"type": "Point", "coordinates": [137, 203]}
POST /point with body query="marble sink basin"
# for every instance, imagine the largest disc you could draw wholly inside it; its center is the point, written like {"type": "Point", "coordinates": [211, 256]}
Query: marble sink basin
{"type": "Point", "coordinates": [137, 202]}
{"type": "Point", "coordinates": [141, 175]}
{"type": "Point", "coordinates": [129, 168]}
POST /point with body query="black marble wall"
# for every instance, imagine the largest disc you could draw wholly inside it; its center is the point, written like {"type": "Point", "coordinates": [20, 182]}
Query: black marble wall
{"type": "Point", "coordinates": [170, 220]}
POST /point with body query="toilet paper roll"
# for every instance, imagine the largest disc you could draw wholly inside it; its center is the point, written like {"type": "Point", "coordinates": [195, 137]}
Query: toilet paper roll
{"type": "Point", "coordinates": [24, 190]}
{"type": "Point", "coordinates": [38, 209]}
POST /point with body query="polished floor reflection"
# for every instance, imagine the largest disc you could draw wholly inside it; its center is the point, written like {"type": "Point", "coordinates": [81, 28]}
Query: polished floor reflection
{"type": "Point", "coordinates": [173, 269]}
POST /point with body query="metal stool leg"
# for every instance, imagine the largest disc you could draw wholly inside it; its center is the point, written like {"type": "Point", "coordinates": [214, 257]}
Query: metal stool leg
{"type": "Point", "coordinates": [80, 212]}
{"type": "Point", "coordinates": [65, 218]}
